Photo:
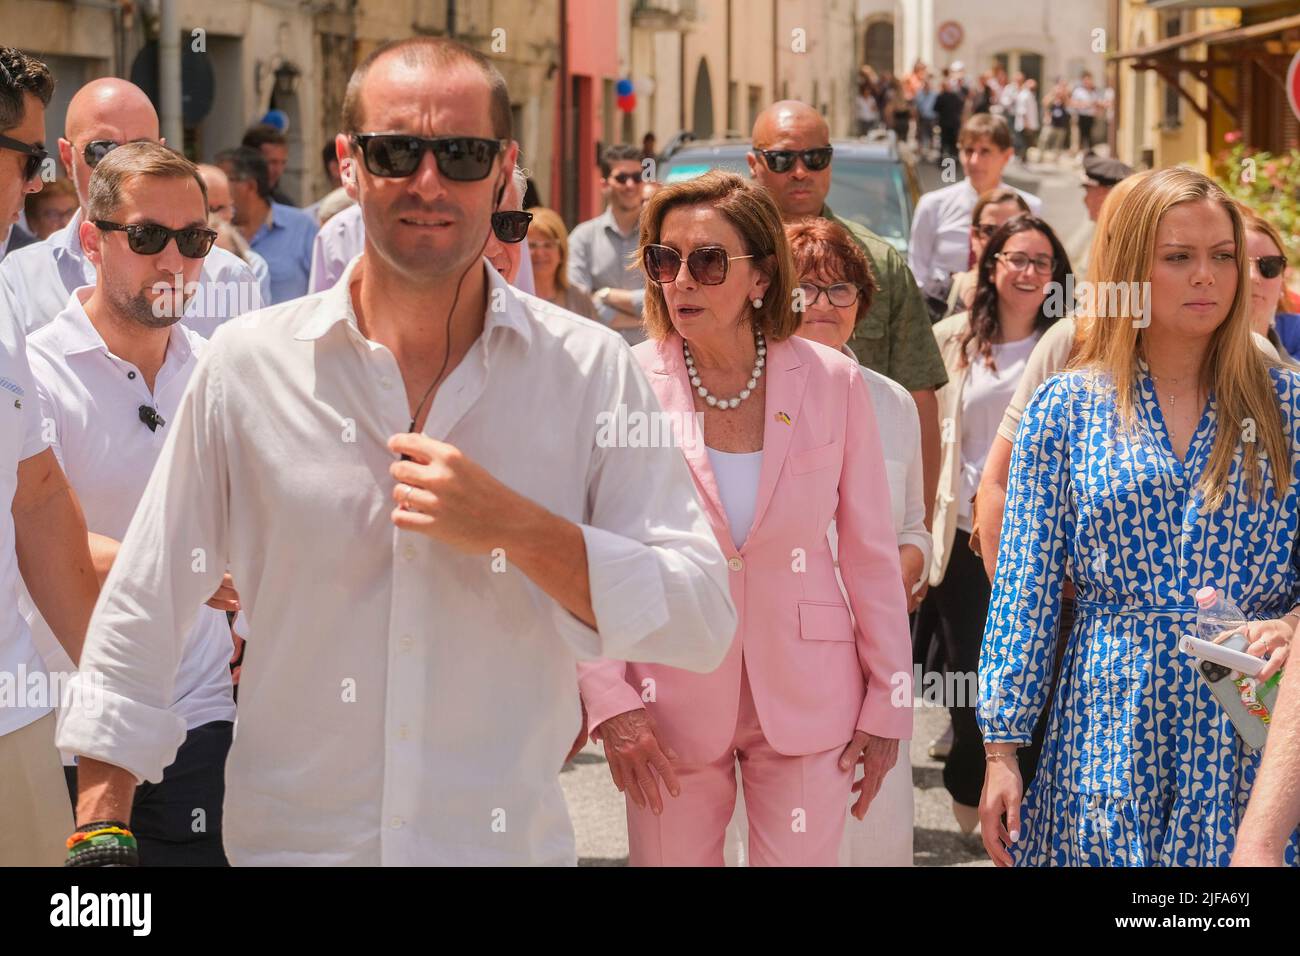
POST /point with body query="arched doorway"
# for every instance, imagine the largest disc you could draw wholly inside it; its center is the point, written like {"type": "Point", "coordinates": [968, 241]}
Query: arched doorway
{"type": "Point", "coordinates": [879, 47]}
{"type": "Point", "coordinates": [702, 111]}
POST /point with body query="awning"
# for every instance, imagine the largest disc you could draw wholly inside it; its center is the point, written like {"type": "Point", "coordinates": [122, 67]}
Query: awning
{"type": "Point", "coordinates": [1216, 36]}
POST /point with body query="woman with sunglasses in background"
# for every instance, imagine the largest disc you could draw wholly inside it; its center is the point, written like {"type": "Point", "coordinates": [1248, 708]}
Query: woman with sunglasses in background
{"type": "Point", "coordinates": [789, 442]}
{"type": "Point", "coordinates": [548, 244]}
{"type": "Point", "coordinates": [1267, 278]}
{"type": "Point", "coordinates": [985, 351]}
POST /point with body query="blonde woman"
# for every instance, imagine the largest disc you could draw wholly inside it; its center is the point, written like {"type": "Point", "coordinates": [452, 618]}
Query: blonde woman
{"type": "Point", "coordinates": [1267, 277]}
{"type": "Point", "coordinates": [1162, 461]}
{"type": "Point", "coordinates": [548, 244]}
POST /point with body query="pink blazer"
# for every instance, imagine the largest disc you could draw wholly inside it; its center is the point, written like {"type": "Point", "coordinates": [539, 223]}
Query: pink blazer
{"type": "Point", "coordinates": [817, 671]}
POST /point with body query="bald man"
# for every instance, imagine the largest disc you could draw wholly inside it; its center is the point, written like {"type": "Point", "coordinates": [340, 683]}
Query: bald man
{"type": "Point", "coordinates": [36, 282]}
{"type": "Point", "coordinates": [894, 337]}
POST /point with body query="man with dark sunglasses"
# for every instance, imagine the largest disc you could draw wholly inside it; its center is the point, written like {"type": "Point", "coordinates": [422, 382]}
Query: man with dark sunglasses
{"type": "Point", "coordinates": [36, 282]}
{"type": "Point", "coordinates": [42, 532]}
{"type": "Point", "coordinates": [406, 477]}
{"type": "Point", "coordinates": [601, 249]}
{"type": "Point", "coordinates": [110, 371]}
{"type": "Point", "coordinates": [792, 160]}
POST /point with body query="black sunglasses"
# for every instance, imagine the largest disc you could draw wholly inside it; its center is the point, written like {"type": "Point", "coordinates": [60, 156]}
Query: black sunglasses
{"type": "Point", "coordinates": [625, 179]}
{"type": "Point", "coordinates": [97, 150]}
{"type": "Point", "coordinates": [36, 155]}
{"type": "Point", "coordinates": [782, 160]}
{"type": "Point", "coordinates": [465, 159]}
{"type": "Point", "coordinates": [147, 238]}
{"type": "Point", "coordinates": [1270, 267]}
{"type": "Point", "coordinates": [511, 225]}
{"type": "Point", "coordinates": [708, 264]}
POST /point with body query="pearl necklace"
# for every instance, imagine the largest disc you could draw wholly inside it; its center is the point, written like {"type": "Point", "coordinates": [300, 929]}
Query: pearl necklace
{"type": "Point", "coordinates": [752, 384]}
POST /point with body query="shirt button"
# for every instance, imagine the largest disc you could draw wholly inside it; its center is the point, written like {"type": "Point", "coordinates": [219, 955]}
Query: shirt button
{"type": "Point", "coordinates": [385, 382]}
{"type": "Point", "coordinates": [409, 552]}
{"type": "Point", "coordinates": [396, 823]}
{"type": "Point", "coordinates": [735, 563]}
{"type": "Point", "coordinates": [406, 642]}
{"type": "Point", "coordinates": [404, 732]}
{"type": "Point", "coordinates": [130, 374]}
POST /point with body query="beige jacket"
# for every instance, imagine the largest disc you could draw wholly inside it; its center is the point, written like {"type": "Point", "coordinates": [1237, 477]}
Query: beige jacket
{"type": "Point", "coordinates": [943, 529]}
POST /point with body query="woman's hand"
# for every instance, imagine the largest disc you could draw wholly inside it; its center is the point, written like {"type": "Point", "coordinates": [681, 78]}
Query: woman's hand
{"type": "Point", "coordinates": [912, 561]}
{"type": "Point", "coordinates": [1270, 640]}
{"type": "Point", "coordinates": [1003, 790]}
{"type": "Point", "coordinates": [635, 753]}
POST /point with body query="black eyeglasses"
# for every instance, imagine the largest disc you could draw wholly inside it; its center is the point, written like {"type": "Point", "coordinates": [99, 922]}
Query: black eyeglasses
{"type": "Point", "coordinates": [707, 264]}
{"type": "Point", "coordinates": [97, 150]}
{"type": "Point", "coordinates": [1270, 267]}
{"type": "Point", "coordinates": [36, 155]}
{"type": "Point", "coordinates": [465, 159]}
{"type": "Point", "coordinates": [840, 295]}
{"type": "Point", "coordinates": [625, 179]}
{"type": "Point", "coordinates": [148, 239]}
{"type": "Point", "coordinates": [782, 160]}
{"type": "Point", "coordinates": [511, 225]}
{"type": "Point", "coordinates": [1019, 262]}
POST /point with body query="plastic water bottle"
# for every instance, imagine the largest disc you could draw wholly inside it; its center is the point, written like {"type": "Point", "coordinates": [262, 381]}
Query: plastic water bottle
{"type": "Point", "coordinates": [1215, 614]}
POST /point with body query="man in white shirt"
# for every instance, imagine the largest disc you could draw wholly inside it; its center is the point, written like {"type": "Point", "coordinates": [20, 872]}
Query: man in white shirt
{"type": "Point", "coordinates": [110, 372]}
{"type": "Point", "coordinates": [421, 566]}
{"type": "Point", "coordinates": [940, 243]}
{"type": "Point", "coordinates": [35, 282]}
{"type": "Point", "coordinates": [1086, 103]}
{"type": "Point", "coordinates": [1027, 119]}
{"type": "Point", "coordinates": [42, 533]}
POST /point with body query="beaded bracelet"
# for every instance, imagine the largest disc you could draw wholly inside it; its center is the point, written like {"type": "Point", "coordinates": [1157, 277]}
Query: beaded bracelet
{"type": "Point", "coordinates": [103, 843]}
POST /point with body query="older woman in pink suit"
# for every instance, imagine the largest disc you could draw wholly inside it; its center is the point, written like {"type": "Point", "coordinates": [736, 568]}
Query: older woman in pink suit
{"type": "Point", "coordinates": [813, 684]}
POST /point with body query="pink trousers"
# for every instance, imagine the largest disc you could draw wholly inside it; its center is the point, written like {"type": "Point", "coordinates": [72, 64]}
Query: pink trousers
{"type": "Point", "coordinates": [795, 805]}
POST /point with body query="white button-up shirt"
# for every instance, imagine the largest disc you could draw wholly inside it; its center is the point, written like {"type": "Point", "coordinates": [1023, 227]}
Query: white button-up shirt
{"type": "Point", "coordinates": [90, 400]}
{"type": "Point", "coordinates": [401, 702]}
{"type": "Point", "coordinates": [940, 243]}
{"type": "Point", "coordinates": [23, 698]}
{"type": "Point", "coordinates": [35, 282]}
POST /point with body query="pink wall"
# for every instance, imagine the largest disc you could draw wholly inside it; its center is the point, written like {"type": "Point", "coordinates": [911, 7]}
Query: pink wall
{"type": "Point", "coordinates": [593, 53]}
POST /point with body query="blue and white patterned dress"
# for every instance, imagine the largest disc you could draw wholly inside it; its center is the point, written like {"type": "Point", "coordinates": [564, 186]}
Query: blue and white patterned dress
{"type": "Point", "coordinates": [1140, 766]}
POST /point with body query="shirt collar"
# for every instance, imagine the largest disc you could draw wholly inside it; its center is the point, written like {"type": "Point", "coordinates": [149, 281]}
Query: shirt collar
{"type": "Point", "coordinates": [609, 222]}
{"type": "Point", "coordinates": [77, 334]}
{"type": "Point", "coordinates": [335, 306]}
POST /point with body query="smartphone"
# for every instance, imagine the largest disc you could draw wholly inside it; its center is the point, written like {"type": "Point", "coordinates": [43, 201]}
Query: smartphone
{"type": "Point", "coordinates": [1248, 703]}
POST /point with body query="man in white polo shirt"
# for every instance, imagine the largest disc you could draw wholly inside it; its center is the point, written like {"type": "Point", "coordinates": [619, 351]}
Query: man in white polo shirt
{"type": "Point", "coordinates": [407, 479]}
{"type": "Point", "coordinates": [110, 370]}
{"type": "Point", "coordinates": [35, 281]}
{"type": "Point", "coordinates": [42, 533]}
{"type": "Point", "coordinates": [940, 242]}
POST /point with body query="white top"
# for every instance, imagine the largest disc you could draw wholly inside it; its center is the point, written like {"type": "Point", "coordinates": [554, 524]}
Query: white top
{"type": "Point", "coordinates": [940, 243]}
{"type": "Point", "coordinates": [900, 440]}
{"type": "Point", "coordinates": [737, 477]}
{"type": "Point", "coordinates": [401, 702]}
{"type": "Point", "coordinates": [91, 399]}
{"type": "Point", "coordinates": [1026, 111]}
{"type": "Point", "coordinates": [1085, 100]}
{"type": "Point", "coordinates": [984, 402]}
{"type": "Point", "coordinates": [35, 282]}
{"type": "Point", "coordinates": [20, 438]}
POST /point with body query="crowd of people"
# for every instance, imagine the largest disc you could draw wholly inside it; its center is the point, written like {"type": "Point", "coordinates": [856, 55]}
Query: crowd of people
{"type": "Point", "coordinates": [1068, 119]}
{"type": "Point", "coordinates": [343, 478]}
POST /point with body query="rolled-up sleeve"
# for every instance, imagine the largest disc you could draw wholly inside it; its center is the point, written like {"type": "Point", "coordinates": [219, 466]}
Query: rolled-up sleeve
{"type": "Point", "coordinates": [171, 561]}
{"type": "Point", "coordinates": [658, 580]}
{"type": "Point", "coordinates": [869, 566]}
